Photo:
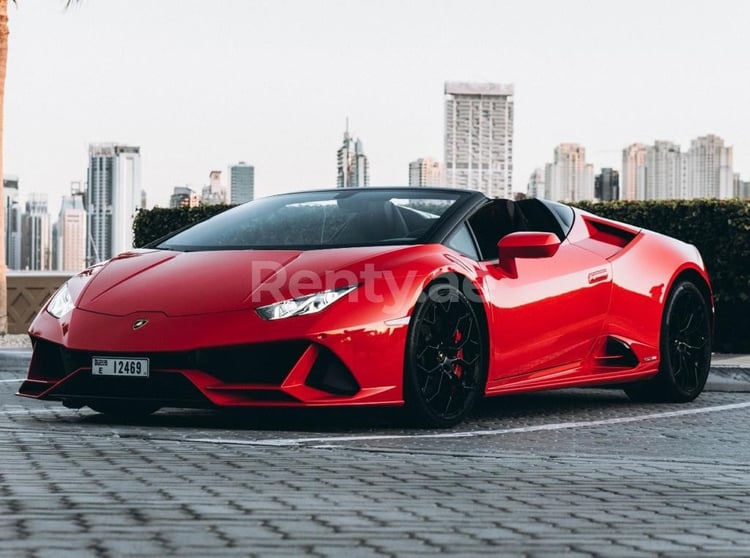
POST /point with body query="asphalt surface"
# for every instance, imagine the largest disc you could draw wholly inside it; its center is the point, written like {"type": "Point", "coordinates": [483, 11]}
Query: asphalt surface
{"type": "Point", "coordinates": [569, 472]}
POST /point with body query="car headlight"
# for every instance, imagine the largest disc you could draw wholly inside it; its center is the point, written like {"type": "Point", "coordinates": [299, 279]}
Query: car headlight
{"type": "Point", "coordinates": [309, 304]}
{"type": "Point", "coordinates": [61, 302]}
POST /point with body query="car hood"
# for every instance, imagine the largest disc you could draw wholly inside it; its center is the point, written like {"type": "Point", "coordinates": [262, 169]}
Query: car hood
{"type": "Point", "coordinates": [190, 283]}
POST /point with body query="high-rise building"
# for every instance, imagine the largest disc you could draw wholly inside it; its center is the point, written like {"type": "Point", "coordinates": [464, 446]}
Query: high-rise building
{"type": "Point", "coordinates": [113, 197]}
{"type": "Point", "coordinates": [569, 178]}
{"type": "Point", "coordinates": [633, 176]}
{"type": "Point", "coordinates": [661, 171]}
{"type": "Point", "coordinates": [214, 192]}
{"type": "Point", "coordinates": [425, 172]}
{"type": "Point", "coordinates": [664, 172]}
{"type": "Point", "coordinates": [478, 141]}
{"type": "Point", "coordinates": [36, 248]}
{"type": "Point", "coordinates": [241, 183]}
{"type": "Point", "coordinates": [55, 245]}
{"type": "Point", "coordinates": [71, 232]}
{"type": "Point", "coordinates": [535, 187]}
{"type": "Point", "coordinates": [183, 196]}
{"type": "Point", "coordinates": [709, 170]}
{"type": "Point", "coordinates": [741, 188]}
{"type": "Point", "coordinates": [13, 213]}
{"type": "Point", "coordinates": [607, 185]}
{"type": "Point", "coordinates": [352, 168]}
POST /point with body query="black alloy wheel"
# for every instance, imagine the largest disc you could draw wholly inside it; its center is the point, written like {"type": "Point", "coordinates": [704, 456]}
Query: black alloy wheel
{"type": "Point", "coordinates": [445, 364]}
{"type": "Point", "coordinates": [685, 349]}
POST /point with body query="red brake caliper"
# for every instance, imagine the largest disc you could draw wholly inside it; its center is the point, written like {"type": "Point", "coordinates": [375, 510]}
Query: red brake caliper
{"type": "Point", "coordinates": [457, 369]}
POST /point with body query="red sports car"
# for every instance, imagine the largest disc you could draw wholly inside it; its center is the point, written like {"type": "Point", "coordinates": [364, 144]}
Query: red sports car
{"type": "Point", "coordinates": [424, 297]}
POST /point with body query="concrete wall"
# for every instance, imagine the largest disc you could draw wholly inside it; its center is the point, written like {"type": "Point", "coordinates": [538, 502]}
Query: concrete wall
{"type": "Point", "coordinates": [27, 293]}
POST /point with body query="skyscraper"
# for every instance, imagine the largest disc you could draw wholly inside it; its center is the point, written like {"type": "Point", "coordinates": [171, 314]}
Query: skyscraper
{"type": "Point", "coordinates": [214, 193]}
{"type": "Point", "coordinates": [13, 215]}
{"type": "Point", "coordinates": [633, 176]}
{"type": "Point", "coordinates": [535, 187]}
{"type": "Point", "coordinates": [661, 171]}
{"type": "Point", "coordinates": [607, 185]}
{"type": "Point", "coordinates": [741, 187]}
{"type": "Point", "coordinates": [709, 170]}
{"type": "Point", "coordinates": [353, 169]}
{"type": "Point", "coordinates": [113, 196]}
{"type": "Point", "coordinates": [71, 230]}
{"type": "Point", "coordinates": [569, 178]}
{"type": "Point", "coordinates": [241, 182]}
{"type": "Point", "coordinates": [664, 176]}
{"type": "Point", "coordinates": [479, 137]}
{"type": "Point", "coordinates": [36, 248]}
{"type": "Point", "coordinates": [425, 172]}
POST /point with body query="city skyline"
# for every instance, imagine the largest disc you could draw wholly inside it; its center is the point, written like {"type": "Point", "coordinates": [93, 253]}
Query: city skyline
{"type": "Point", "coordinates": [674, 75]}
{"type": "Point", "coordinates": [94, 219]}
{"type": "Point", "coordinates": [640, 164]}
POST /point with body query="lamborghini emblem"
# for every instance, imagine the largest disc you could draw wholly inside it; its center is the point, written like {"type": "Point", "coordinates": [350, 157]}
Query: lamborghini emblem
{"type": "Point", "coordinates": [138, 324]}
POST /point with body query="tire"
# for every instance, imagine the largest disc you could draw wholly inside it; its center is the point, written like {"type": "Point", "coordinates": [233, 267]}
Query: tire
{"type": "Point", "coordinates": [445, 365]}
{"type": "Point", "coordinates": [124, 410]}
{"type": "Point", "coordinates": [685, 349]}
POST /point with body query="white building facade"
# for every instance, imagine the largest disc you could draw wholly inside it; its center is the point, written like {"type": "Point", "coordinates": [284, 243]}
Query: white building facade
{"type": "Point", "coordinates": [478, 140]}
{"type": "Point", "coordinates": [426, 172]}
{"type": "Point", "coordinates": [633, 175]}
{"type": "Point", "coordinates": [662, 171]}
{"type": "Point", "coordinates": [569, 177]}
{"type": "Point", "coordinates": [535, 186]}
{"type": "Point", "coordinates": [710, 171]}
{"type": "Point", "coordinates": [113, 196]}
{"type": "Point", "coordinates": [71, 229]}
{"type": "Point", "coordinates": [36, 242]}
{"type": "Point", "coordinates": [214, 193]}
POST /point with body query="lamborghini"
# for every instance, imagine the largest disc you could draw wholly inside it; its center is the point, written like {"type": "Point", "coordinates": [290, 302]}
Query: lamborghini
{"type": "Point", "coordinates": [423, 298]}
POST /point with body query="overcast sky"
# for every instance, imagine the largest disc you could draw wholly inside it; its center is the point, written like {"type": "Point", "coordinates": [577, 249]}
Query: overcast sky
{"type": "Point", "coordinates": [199, 85]}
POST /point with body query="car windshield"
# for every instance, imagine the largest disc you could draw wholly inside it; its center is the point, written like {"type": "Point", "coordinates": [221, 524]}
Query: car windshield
{"type": "Point", "coordinates": [323, 219]}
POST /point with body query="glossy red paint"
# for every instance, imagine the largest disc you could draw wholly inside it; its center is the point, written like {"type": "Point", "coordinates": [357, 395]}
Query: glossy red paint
{"type": "Point", "coordinates": [549, 305]}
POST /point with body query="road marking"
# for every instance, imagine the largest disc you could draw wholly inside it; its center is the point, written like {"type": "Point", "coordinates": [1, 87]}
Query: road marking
{"type": "Point", "coordinates": [9, 381]}
{"type": "Point", "coordinates": [282, 442]}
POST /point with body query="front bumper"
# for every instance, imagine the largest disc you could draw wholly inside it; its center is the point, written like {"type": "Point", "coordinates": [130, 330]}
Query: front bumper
{"type": "Point", "coordinates": [275, 366]}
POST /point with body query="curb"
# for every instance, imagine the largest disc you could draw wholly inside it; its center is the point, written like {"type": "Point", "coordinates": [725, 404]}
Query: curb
{"type": "Point", "coordinates": [739, 373]}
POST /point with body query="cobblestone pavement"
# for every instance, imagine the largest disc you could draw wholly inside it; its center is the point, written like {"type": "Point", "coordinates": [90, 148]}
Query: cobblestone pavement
{"type": "Point", "coordinates": [574, 473]}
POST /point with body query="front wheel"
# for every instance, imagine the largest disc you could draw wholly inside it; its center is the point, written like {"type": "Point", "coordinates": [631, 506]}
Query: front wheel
{"type": "Point", "coordinates": [685, 349]}
{"type": "Point", "coordinates": [445, 364]}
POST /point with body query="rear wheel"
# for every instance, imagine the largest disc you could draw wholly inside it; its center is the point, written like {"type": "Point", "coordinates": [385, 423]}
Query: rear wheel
{"type": "Point", "coordinates": [124, 409]}
{"type": "Point", "coordinates": [445, 365]}
{"type": "Point", "coordinates": [685, 349]}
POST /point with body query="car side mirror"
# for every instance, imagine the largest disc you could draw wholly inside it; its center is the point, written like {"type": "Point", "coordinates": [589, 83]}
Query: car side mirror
{"type": "Point", "coordinates": [525, 245]}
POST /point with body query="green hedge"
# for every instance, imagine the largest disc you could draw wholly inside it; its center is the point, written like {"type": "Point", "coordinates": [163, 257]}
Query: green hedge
{"type": "Point", "coordinates": [721, 231]}
{"type": "Point", "coordinates": [150, 224]}
{"type": "Point", "coordinates": [719, 228]}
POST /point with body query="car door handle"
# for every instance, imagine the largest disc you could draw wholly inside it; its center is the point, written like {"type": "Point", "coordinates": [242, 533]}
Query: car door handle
{"type": "Point", "coordinates": [598, 276]}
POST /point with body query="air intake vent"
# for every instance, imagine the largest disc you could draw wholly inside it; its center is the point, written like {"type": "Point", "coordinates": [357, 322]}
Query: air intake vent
{"type": "Point", "coordinates": [331, 375]}
{"type": "Point", "coordinates": [617, 354]}
{"type": "Point", "coordinates": [609, 233]}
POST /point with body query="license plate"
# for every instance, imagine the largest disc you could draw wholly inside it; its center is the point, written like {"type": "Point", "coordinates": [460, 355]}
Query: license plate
{"type": "Point", "coordinates": [113, 366]}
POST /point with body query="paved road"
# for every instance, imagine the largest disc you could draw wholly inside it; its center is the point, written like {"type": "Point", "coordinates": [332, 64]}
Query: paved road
{"type": "Point", "coordinates": [577, 472]}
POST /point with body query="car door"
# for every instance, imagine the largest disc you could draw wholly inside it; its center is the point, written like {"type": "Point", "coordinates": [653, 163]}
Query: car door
{"type": "Point", "coordinates": [547, 310]}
